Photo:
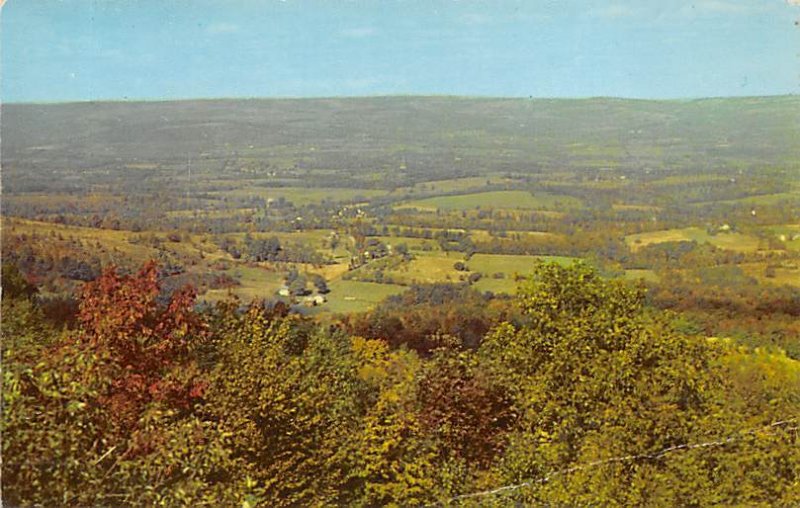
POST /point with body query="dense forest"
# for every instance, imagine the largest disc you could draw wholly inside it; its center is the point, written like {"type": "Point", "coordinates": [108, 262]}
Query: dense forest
{"type": "Point", "coordinates": [575, 392]}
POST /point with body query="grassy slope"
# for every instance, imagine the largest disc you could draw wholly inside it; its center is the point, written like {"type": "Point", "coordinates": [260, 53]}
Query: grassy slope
{"type": "Point", "coordinates": [730, 241]}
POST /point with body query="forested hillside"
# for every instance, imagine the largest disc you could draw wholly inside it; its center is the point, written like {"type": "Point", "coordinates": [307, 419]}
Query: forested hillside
{"type": "Point", "coordinates": [576, 392]}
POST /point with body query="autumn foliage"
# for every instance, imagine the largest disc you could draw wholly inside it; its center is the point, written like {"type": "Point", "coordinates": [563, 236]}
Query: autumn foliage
{"type": "Point", "coordinates": [151, 402]}
{"type": "Point", "coordinates": [142, 341]}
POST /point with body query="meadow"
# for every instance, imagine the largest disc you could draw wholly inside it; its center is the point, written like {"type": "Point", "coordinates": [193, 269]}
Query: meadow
{"type": "Point", "coordinates": [348, 296]}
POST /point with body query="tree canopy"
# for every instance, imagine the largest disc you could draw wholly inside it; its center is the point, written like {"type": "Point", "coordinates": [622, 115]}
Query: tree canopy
{"type": "Point", "coordinates": [581, 394]}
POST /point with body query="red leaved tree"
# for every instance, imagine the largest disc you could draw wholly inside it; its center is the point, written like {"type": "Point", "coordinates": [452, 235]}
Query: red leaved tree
{"type": "Point", "coordinates": [145, 344]}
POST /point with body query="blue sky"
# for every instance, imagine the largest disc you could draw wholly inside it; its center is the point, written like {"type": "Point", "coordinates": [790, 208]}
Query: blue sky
{"type": "Point", "coordinates": [65, 50]}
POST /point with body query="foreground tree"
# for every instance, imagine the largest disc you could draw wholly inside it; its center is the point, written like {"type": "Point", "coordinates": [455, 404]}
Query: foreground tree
{"type": "Point", "coordinates": [93, 404]}
{"type": "Point", "coordinates": [596, 377]}
{"type": "Point", "coordinates": [289, 397]}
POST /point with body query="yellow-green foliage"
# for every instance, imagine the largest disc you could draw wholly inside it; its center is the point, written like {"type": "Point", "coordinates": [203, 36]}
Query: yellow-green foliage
{"type": "Point", "coordinates": [766, 382]}
{"type": "Point", "coordinates": [289, 398]}
{"type": "Point", "coordinates": [596, 379]}
{"type": "Point", "coordinates": [586, 397]}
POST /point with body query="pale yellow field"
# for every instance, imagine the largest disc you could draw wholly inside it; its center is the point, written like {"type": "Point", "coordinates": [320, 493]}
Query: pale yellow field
{"type": "Point", "coordinates": [256, 283]}
{"type": "Point", "coordinates": [428, 267]}
{"type": "Point", "coordinates": [646, 275]}
{"type": "Point", "coordinates": [109, 239]}
{"type": "Point", "coordinates": [788, 274]}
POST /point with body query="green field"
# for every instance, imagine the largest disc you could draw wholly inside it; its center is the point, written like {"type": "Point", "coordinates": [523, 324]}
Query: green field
{"type": "Point", "coordinates": [730, 241]}
{"type": "Point", "coordinates": [645, 275]}
{"type": "Point", "coordinates": [437, 266]}
{"type": "Point", "coordinates": [497, 199]}
{"type": "Point", "coordinates": [505, 286]}
{"type": "Point", "coordinates": [256, 283]}
{"type": "Point", "coordinates": [428, 267]}
{"type": "Point", "coordinates": [355, 296]}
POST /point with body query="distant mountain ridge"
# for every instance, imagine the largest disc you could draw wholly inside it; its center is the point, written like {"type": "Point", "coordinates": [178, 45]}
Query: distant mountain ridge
{"type": "Point", "coordinates": [479, 134]}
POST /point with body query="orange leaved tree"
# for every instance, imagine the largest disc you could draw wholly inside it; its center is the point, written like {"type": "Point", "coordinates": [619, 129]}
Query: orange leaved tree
{"type": "Point", "coordinates": [143, 342]}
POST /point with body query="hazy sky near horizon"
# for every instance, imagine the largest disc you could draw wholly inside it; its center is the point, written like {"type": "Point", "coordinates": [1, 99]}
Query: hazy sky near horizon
{"type": "Point", "coordinates": [65, 50]}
